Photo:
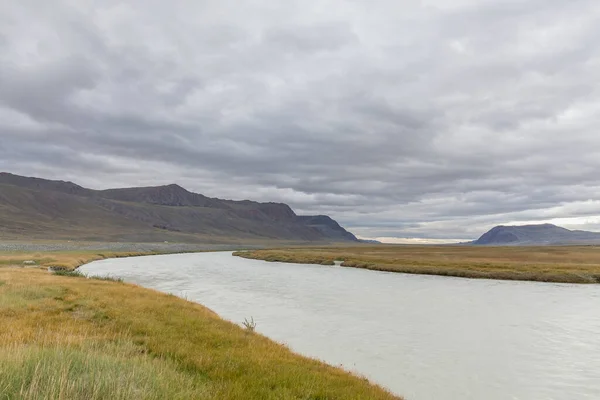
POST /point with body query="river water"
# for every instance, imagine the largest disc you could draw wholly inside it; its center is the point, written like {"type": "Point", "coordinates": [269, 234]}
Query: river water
{"type": "Point", "coordinates": [423, 337]}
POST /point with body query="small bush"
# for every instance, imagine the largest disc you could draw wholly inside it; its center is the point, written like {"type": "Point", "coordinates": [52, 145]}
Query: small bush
{"type": "Point", "coordinates": [66, 272]}
{"type": "Point", "coordinates": [249, 325]}
{"type": "Point", "coordinates": [107, 278]}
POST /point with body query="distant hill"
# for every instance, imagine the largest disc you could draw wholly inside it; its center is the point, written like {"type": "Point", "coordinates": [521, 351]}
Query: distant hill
{"type": "Point", "coordinates": [40, 208]}
{"type": "Point", "coordinates": [544, 234]}
{"type": "Point", "coordinates": [328, 226]}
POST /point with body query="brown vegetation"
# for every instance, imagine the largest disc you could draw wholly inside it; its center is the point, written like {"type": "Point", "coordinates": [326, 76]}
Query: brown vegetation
{"type": "Point", "coordinates": [68, 337]}
{"type": "Point", "coordinates": [68, 260]}
{"type": "Point", "coordinates": [572, 264]}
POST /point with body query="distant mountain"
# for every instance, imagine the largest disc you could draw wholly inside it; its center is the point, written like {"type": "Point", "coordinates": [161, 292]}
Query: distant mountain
{"type": "Point", "coordinates": [328, 226]}
{"type": "Point", "coordinates": [40, 208]}
{"type": "Point", "coordinates": [544, 234]}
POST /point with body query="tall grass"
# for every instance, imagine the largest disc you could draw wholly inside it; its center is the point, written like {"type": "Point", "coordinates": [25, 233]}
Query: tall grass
{"type": "Point", "coordinates": [117, 371]}
{"type": "Point", "coordinates": [80, 339]}
{"type": "Point", "coordinates": [64, 260]}
{"type": "Point", "coordinates": [77, 274]}
{"type": "Point", "coordinates": [68, 272]}
{"type": "Point", "coordinates": [570, 264]}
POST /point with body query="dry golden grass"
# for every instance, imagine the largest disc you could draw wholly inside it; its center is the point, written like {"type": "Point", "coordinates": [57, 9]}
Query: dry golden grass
{"type": "Point", "coordinates": [573, 264]}
{"type": "Point", "coordinates": [63, 259]}
{"type": "Point", "coordinates": [76, 338]}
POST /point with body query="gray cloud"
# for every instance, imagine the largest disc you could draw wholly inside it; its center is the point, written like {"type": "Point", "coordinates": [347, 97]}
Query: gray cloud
{"type": "Point", "coordinates": [437, 119]}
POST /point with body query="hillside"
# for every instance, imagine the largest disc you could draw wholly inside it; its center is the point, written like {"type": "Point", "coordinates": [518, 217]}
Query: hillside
{"type": "Point", "coordinates": [544, 234]}
{"type": "Point", "coordinates": [45, 209]}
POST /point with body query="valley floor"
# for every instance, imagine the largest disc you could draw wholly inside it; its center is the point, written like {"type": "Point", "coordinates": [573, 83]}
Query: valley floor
{"type": "Point", "coordinates": [569, 264]}
{"type": "Point", "coordinates": [69, 337]}
{"type": "Point", "coordinates": [20, 247]}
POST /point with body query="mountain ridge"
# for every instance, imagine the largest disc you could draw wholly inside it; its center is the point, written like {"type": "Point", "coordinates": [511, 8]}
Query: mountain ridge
{"type": "Point", "coordinates": [536, 234]}
{"type": "Point", "coordinates": [149, 213]}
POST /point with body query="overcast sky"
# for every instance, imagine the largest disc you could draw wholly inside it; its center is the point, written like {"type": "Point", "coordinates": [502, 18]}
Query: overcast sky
{"type": "Point", "coordinates": [412, 119]}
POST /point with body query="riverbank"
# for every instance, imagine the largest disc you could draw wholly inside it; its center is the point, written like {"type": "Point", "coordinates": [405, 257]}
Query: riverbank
{"type": "Point", "coordinates": [568, 264]}
{"type": "Point", "coordinates": [62, 246]}
{"type": "Point", "coordinates": [78, 338]}
{"type": "Point", "coordinates": [67, 260]}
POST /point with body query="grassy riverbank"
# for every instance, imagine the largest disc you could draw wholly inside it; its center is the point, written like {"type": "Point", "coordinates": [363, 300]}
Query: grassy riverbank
{"type": "Point", "coordinates": [63, 259]}
{"type": "Point", "coordinates": [572, 264]}
{"type": "Point", "coordinates": [75, 338]}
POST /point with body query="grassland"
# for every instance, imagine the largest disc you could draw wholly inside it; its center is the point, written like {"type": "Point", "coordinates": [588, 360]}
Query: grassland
{"type": "Point", "coordinates": [572, 264]}
{"type": "Point", "coordinates": [69, 337]}
{"type": "Point", "coordinates": [63, 259]}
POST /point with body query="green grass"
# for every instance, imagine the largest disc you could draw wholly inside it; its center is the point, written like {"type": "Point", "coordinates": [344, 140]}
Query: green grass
{"type": "Point", "coordinates": [570, 264]}
{"type": "Point", "coordinates": [107, 278]}
{"type": "Point", "coordinates": [111, 371]}
{"type": "Point", "coordinates": [69, 272]}
{"type": "Point", "coordinates": [73, 338]}
{"type": "Point", "coordinates": [77, 274]}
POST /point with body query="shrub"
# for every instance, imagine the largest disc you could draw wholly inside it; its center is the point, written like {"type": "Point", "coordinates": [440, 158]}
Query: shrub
{"type": "Point", "coordinates": [66, 272]}
{"type": "Point", "coordinates": [107, 278]}
{"type": "Point", "coordinates": [249, 325]}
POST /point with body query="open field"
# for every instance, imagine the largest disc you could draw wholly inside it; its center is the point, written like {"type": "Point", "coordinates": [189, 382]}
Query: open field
{"type": "Point", "coordinates": [572, 264]}
{"type": "Point", "coordinates": [64, 259]}
{"type": "Point", "coordinates": [43, 246]}
{"type": "Point", "coordinates": [70, 255]}
{"type": "Point", "coordinates": [68, 337]}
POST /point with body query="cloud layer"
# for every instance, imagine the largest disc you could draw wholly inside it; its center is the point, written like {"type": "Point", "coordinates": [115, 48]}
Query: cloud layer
{"type": "Point", "coordinates": [433, 119]}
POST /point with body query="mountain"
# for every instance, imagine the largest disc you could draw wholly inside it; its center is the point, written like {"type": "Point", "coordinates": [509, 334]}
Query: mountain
{"type": "Point", "coordinates": [44, 209]}
{"type": "Point", "coordinates": [328, 227]}
{"type": "Point", "coordinates": [42, 184]}
{"type": "Point", "coordinates": [544, 234]}
{"type": "Point", "coordinates": [170, 195]}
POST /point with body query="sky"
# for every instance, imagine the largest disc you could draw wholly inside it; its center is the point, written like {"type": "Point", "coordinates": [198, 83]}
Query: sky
{"type": "Point", "coordinates": [420, 120]}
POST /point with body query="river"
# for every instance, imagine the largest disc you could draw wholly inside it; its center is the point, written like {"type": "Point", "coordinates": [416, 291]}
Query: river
{"type": "Point", "coordinates": [423, 337]}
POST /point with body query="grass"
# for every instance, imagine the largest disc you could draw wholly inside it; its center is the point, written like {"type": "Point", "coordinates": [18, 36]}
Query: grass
{"type": "Point", "coordinates": [90, 372]}
{"type": "Point", "coordinates": [68, 272]}
{"type": "Point", "coordinates": [76, 274]}
{"type": "Point", "coordinates": [72, 338]}
{"type": "Point", "coordinates": [67, 260]}
{"type": "Point", "coordinates": [571, 264]}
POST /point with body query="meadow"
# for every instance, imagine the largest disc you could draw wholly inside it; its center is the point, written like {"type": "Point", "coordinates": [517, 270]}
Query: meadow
{"type": "Point", "coordinates": [67, 260]}
{"type": "Point", "coordinates": [70, 337]}
{"type": "Point", "coordinates": [571, 264]}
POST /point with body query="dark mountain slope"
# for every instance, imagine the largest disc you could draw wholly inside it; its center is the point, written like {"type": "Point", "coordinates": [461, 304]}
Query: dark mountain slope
{"type": "Point", "coordinates": [543, 234]}
{"type": "Point", "coordinates": [41, 208]}
{"type": "Point", "coordinates": [328, 227]}
{"type": "Point", "coordinates": [170, 195]}
{"type": "Point", "coordinates": [43, 184]}
{"type": "Point", "coordinates": [35, 213]}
